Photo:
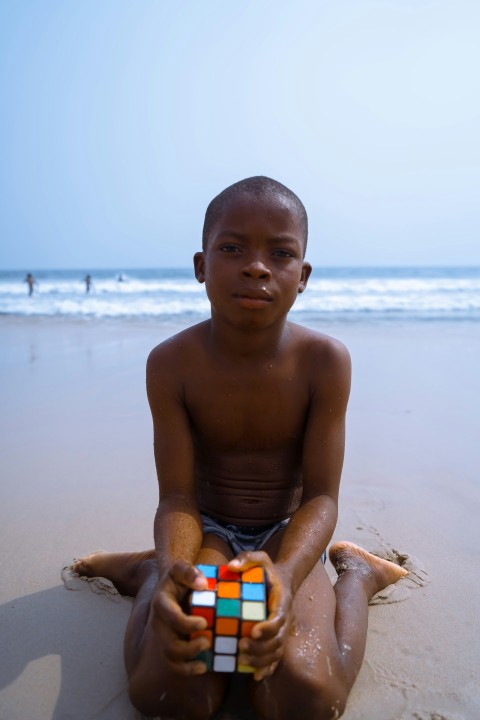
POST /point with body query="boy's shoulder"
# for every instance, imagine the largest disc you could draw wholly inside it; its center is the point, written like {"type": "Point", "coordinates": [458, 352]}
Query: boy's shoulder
{"type": "Point", "coordinates": [318, 346]}
{"type": "Point", "coordinates": [179, 345]}
{"type": "Point", "coordinates": [325, 366]}
{"type": "Point", "coordinates": [323, 361]}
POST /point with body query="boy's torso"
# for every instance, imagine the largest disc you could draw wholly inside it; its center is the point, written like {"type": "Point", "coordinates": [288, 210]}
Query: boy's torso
{"type": "Point", "coordinates": [247, 422]}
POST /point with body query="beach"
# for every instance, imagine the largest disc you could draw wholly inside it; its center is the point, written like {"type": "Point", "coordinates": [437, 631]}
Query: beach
{"type": "Point", "coordinates": [78, 475]}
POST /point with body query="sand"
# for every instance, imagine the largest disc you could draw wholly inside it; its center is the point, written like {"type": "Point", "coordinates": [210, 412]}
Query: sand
{"type": "Point", "coordinates": [77, 474]}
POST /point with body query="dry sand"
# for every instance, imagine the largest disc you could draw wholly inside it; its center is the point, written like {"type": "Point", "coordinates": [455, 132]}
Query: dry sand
{"type": "Point", "coordinates": [78, 475]}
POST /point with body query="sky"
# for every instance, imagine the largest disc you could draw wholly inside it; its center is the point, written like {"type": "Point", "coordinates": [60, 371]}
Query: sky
{"type": "Point", "coordinates": [120, 121]}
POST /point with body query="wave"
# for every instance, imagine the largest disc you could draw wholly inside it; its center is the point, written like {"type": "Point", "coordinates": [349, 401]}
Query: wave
{"type": "Point", "coordinates": [452, 293]}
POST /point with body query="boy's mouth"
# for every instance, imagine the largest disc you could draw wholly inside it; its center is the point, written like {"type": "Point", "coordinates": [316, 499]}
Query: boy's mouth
{"type": "Point", "coordinates": [251, 294]}
{"type": "Point", "coordinates": [253, 299]}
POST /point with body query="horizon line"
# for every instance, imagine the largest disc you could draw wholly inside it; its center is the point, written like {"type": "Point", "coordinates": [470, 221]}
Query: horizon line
{"type": "Point", "coordinates": [123, 269]}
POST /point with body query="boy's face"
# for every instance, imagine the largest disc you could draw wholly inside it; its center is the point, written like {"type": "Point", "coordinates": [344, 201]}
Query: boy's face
{"type": "Point", "coordinates": [253, 264]}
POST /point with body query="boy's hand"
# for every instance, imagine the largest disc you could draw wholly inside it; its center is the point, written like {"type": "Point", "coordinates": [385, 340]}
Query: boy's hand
{"type": "Point", "coordinates": [264, 649]}
{"type": "Point", "coordinates": [172, 625]}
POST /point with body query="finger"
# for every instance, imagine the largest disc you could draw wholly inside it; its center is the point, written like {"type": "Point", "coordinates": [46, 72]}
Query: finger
{"type": "Point", "coordinates": [182, 656]}
{"type": "Point", "coordinates": [268, 628]}
{"type": "Point", "coordinates": [248, 559]}
{"type": "Point", "coordinates": [265, 672]}
{"type": "Point", "coordinates": [184, 624]}
{"type": "Point", "coordinates": [258, 648]}
{"type": "Point", "coordinates": [186, 574]}
{"type": "Point", "coordinates": [183, 650]}
{"type": "Point", "coordinates": [197, 667]}
{"type": "Point", "coordinates": [260, 663]}
{"type": "Point", "coordinates": [272, 646]}
{"type": "Point", "coordinates": [165, 609]}
{"type": "Point", "coordinates": [276, 591]}
{"type": "Point", "coordinates": [278, 598]}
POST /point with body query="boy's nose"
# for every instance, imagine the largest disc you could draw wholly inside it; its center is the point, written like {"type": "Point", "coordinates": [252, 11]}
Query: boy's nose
{"type": "Point", "coordinates": [257, 269]}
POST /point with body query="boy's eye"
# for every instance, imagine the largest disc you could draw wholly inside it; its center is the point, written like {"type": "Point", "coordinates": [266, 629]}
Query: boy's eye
{"type": "Point", "coordinates": [283, 253]}
{"type": "Point", "coordinates": [230, 248]}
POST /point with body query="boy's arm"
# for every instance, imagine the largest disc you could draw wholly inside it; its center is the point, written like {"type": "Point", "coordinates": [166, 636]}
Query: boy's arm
{"type": "Point", "coordinates": [177, 527]}
{"type": "Point", "coordinates": [311, 527]}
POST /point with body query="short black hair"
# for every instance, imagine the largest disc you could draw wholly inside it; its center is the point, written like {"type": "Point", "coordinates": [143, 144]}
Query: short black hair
{"type": "Point", "coordinates": [259, 186]}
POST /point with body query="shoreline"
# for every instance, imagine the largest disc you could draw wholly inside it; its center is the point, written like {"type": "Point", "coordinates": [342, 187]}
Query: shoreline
{"type": "Point", "coordinates": [78, 475]}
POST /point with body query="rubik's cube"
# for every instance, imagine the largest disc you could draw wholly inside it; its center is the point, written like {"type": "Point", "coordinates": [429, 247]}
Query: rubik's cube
{"type": "Point", "coordinates": [233, 603]}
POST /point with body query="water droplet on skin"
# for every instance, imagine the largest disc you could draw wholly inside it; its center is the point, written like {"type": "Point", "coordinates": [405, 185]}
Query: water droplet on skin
{"type": "Point", "coordinates": [209, 703]}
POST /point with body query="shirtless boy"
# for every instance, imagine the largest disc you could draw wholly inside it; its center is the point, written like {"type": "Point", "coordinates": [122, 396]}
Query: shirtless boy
{"type": "Point", "coordinates": [249, 426]}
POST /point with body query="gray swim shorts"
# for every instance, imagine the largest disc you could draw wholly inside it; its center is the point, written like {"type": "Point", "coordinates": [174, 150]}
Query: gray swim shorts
{"type": "Point", "coordinates": [241, 538]}
{"type": "Point", "coordinates": [244, 538]}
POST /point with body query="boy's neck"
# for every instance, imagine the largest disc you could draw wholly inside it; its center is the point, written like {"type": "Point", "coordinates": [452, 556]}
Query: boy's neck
{"type": "Point", "coordinates": [247, 342]}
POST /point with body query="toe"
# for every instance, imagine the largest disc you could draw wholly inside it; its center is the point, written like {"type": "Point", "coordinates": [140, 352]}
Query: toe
{"type": "Point", "coordinates": [80, 567]}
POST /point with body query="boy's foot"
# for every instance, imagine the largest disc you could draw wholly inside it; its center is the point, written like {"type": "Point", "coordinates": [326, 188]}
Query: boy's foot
{"type": "Point", "coordinates": [346, 556]}
{"type": "Point", "coordinates": [127, 571]}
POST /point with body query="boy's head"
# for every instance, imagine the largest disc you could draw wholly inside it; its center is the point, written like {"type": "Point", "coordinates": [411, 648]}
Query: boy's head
{"type": "Point", "coordinates": [259, 188]}
{"type": "Point", "coordinates": [253, 257]}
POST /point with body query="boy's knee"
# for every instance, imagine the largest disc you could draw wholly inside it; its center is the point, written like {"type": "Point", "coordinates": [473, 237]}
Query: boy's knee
{"type": "Point", "coordinates": [143, 699]}
{"type": "Point", "coordinates": [169, 703]}
{"type": "Point", "coordinates": [302, 697]}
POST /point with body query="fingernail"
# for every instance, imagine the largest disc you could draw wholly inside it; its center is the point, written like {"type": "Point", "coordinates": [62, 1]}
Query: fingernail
{"type": "Point", "coordinates": [235, 563]}
{"type": "Point", "coordinates": [200, 583]}
{"type": "Point", "coordinates": [199, 669]}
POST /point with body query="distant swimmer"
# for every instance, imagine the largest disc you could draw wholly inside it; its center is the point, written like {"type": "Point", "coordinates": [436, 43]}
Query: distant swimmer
{"type": "Point", "coordinates": [30, 280]}
{"type": "Point", "coordinates": [88, 283]}
{"type": "Point", "coordinates": [121, 278]}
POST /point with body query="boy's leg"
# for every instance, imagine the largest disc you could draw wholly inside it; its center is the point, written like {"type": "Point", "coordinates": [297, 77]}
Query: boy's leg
{"type": "Point", "coordinates": [327, 639]}
{"type": "Point", "coordinates": [153, 688]}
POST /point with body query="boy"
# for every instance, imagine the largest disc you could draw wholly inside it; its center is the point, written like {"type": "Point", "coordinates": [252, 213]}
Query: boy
{"type": "Point", "coordinates": [249, 418]}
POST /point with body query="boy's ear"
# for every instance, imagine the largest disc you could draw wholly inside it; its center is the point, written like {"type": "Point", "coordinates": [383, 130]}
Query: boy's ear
{"type": "Point", "coordinates": [199, 265]}
{"type": "Point", "coordinates": [306, 270]}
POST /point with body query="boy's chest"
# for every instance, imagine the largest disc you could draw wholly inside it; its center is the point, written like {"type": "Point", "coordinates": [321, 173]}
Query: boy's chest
{"type": "Point", "coordinates": [260, 411]}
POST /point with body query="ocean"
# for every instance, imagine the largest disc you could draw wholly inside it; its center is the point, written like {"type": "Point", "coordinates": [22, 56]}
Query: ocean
{"type": "Point", "coordinates": [333, 294]}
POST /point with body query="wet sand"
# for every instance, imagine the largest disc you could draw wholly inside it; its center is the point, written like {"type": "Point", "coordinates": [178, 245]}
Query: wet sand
{"type": "Point", "coordinates": [78, 475]}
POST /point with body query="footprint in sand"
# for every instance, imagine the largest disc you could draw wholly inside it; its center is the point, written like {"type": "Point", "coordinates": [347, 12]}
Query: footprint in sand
{"type": "Point", "coordinates": [98, 585]}
{"type": "Point", "coordinates": [417, 577]}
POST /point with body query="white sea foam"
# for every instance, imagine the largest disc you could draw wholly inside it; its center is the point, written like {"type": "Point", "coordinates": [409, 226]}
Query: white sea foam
{"type": "Point", "coordinates": [335, 293]}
